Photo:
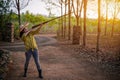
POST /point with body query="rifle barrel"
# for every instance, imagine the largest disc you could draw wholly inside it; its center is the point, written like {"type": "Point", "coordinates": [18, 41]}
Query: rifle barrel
{"type": "Point", "coordinates": [48, 21]}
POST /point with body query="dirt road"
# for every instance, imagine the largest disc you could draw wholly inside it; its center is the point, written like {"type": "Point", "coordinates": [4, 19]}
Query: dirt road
{"type": "Point", "coordinates": [57, 62]}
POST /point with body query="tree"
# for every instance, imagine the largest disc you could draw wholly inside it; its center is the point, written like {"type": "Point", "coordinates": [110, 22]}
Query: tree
{"type": "Point", "coordinates": [19, 5]}
{"type": "Point", "coordinates": [5, 16]}
{"type": "Point", "coordinates": [76, 11]}
{"type": "Point", "coordinates": [50, 4]}
{"type": "Point", "coordinates": [106, 22]}
{"type": "Point", "coordinates": [84, 33]}
{"type": "Point", "coordinates": [61, 3]}
{"type": "Point", "coordinates": [76, 29]}
{"type": "Point", "coordinates": [5, 12]}
{"type": "Point", "coordinates": [63, 20]}
{"type": "Point", "coordinates": [115, 13]}
{"type": "Point", "coordinates": [65, 2]}
{"type": "Point", "coordinates": [81, 12]}
{"type": "Point", "coordinates": [99, 30]}
{"type": "Point", "coordinates": [69, 18]}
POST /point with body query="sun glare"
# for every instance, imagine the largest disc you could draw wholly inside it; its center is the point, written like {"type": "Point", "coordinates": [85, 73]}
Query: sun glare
{"type": "Point", "coordinates": [92, 10]}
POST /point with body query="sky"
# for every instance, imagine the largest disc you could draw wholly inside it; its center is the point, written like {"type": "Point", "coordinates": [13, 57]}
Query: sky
{"type": "Point", "coordinates": [39, 7]}
{"type": "Point", "coordinates": [35, 7]}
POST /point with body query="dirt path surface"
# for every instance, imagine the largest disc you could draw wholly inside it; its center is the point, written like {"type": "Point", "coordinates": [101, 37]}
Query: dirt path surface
{"type": "Point", "coordinates": [57, 63]}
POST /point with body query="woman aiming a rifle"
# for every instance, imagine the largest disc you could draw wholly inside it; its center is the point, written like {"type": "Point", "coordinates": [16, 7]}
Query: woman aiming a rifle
{"type": "Point", "coordinates": [27, 37]}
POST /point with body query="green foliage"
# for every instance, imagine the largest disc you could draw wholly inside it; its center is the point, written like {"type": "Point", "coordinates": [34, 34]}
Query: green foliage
{"type": "Point", "coordinates": [92, 25]}
{"type": "Point", "coordinates": [14, 17]}
{"type": "Point", "coordinates": [5, 16]}
{"type": "Point", "coordinates": [52, 27]}
{"type": "Point", "coordinates": [4, 12]}
{"type": "Point", "coordinates": [16, 29]}
{"type": "Point", "coordinates": [33, 20]}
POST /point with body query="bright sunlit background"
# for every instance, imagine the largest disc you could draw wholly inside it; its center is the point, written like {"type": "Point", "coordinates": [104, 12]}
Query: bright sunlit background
{"type": "Point", "coordinates": [39, 7]}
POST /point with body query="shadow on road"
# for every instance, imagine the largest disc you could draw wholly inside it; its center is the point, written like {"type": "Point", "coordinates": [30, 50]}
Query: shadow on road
{"type": "Point", "coordinates": [18, 45]}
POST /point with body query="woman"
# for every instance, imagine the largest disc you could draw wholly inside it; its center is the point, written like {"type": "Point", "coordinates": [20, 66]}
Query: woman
{"type": "Point", "coordinates": [27, 37]}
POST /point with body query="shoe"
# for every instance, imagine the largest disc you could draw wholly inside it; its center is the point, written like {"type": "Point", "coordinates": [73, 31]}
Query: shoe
{"type": "Point", "coordinates": [25, 73]}
{"type": "Point", "coordinates": [40, 74]}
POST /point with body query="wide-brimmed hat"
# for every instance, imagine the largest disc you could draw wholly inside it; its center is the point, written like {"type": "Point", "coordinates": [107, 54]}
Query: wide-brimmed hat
{"type": "Point", "coordinates": [23, 26]}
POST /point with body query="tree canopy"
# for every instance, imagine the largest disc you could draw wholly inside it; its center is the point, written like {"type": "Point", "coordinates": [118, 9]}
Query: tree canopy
{"type": "Point", "coordinates": [4, 12]}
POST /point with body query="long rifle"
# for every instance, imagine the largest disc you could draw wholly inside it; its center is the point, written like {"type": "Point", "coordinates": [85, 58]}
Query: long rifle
{"type": "Point", "coordinates": [49, 21]}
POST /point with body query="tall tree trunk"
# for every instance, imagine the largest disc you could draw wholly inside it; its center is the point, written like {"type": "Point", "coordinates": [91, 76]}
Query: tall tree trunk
{"type": "Point", "coordinates": [80, 14]}
{"type": "Point", "coordinates": [19, 17]}
{"type": "Point", "coordinates": [76, 28]}
{"type": "Point", "coordinates": [69, 18]}
{"type": "Point", "coordinates": [65, 19]}
{"type": "Point", "coordinates": [106, 18]}
{"type": "Point", "coordinates": [61, 20]}
{"type": "Point", "coordinates": [113, 23]}
{"type": "Point", "coordinates": [20, 4]}
{"type": "Point", "coordinates": [77, 16]}
{"type": "Point", "coordinates": [18, 10]}
{"type": "Point", "coordinates": [99, 30]}
{"type": "Point", "coordinates": [84, 33]}
{"type": "Point", "coordinates": [114, 16]}
{"type": "Point", "coordinates": [59, 29]}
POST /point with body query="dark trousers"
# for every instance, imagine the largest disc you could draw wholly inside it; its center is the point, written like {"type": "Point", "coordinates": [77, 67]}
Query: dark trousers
{"type": "Point", "coordinates": [35, 55]}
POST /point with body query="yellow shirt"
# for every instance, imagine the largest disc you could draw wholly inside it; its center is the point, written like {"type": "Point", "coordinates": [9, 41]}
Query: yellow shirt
{"type": "Point", "coordinates": [29, 40]}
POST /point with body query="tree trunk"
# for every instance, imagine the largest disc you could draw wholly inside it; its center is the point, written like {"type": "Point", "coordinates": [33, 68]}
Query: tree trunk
{"type": "Point", "coordinates": [113, 23]}
{"type": "Point", "coordinates": [98, 34]}
{"type": "Point", "coordinates": [76, 35]}
{"type": "Point", "coordinates": [65, 20]}
{"type": "Point", "coordinates": [77, 16]}
{"type": "Point", "coordinates": [69, 18]}
{"type": "Point", "coordinates": [84, 33]}
{"type": "Point", "coordinates": [80, 14]}
{"type": "Point", "coordinates": [106, 17]}
{"type": "Point", "coordinates": [61, 20]}
{"type": "Point", "coordinates": [76, 28]}
{"type": "Point", "coordinates": [114, 16]}
{"type": "Point", "coordinates": [19, 18]}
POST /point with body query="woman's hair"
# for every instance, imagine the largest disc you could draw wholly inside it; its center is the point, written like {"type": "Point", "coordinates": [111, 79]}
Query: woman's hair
{"type": "Point", "coordinates": [21, 33]}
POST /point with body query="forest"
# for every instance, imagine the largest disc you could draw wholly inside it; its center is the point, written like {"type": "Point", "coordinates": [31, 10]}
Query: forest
{"type": "Point", "coordinates": [88, 27]}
